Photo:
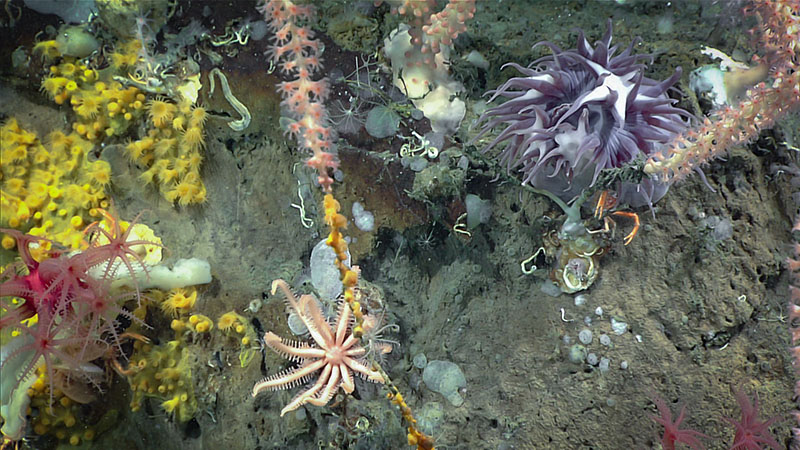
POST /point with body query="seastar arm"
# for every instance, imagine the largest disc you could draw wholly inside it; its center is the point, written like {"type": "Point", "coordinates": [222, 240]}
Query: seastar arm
{"type": "Point", "coordinates": [342, 323]}
{"type": "Point", "coordinates": [307, 395]}
{"type": "Point", "coordinates": [308, 311]}
{"type": "Point", "coordinates": [347, 379]}
{"type": "Point", "coordinates": [330, 388]}
{"type": "Point", "coordinates": [353, 350]}
{"type": "Point", "coordinates": [291, 350]}
{"type": "Point", "coordinates": [313, 319]}
{"type": "Point", "coordinates": [288, 378]}
{"type": "Point", "coordinates": [359, 367]}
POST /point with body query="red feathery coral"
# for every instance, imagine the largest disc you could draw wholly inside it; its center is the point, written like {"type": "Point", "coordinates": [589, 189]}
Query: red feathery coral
{"type": "Point", "coordinates": [751, 434]}
{"type": "Point", "coordinates": [672, 433]}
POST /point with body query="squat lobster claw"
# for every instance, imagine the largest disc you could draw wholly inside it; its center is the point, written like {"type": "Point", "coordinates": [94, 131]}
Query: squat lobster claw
{"type": "Point", "coordinates": [605, 201]}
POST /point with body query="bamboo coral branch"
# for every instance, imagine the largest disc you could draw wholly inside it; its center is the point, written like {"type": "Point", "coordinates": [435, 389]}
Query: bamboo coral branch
{"type": "Point", "coordinates": [297, 53]}
{"type": "Point", "coordinates": [349, 277]}
{"type": "Point", "coordinates": [762, 106]}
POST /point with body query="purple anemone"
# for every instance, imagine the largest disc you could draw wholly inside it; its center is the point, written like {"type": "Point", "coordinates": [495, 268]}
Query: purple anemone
{"type": "Point", "coordinates": [577, 112]}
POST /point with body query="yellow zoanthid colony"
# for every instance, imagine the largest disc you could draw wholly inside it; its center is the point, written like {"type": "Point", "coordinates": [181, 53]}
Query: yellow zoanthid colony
{"type": "Point", "coordinates": [200, 323]}
{"type": "Point", "coordinates": [234, 325]}
{"type": "Point", "coordinates": [163, 372]}
{"type": "Point", "coordinates": [58, 414]}
{"type": "Point", "coordinates": [49, 189]}
{"type": "Point", "coordinates": [52, 188]}
{"type": "Point", "coordinates": [104, 107]}
{"type": "Point", "coordinates": [178, 302]}
{"type": "Point", "coordinates": [108, 101]}
{"type": "Point", "coordinates": [71, 321]}
{"type": "Point", "coordinates": [171, 151]}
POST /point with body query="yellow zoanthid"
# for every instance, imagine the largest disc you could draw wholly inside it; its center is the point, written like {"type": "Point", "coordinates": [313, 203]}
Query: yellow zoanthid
{"type": "Point", "coordinates": [203, 327]}
{"type": "Point", "coordinates": [193, 138]}
{"type": "Point", "coordinates": [17, 153]}
{"type": "Point", "coordinates": [100, 173]}
{"type": "Point", "coordinates": [186, 192]}
{"type": "Point", "coordinates": [121, 60]}
{"type": "Point", "coordinates": [171, 404]}
{"type": "Point", "coordinates": [89, 75]}
{"type": "Point", "coordinates": [200, 323]}
{"type": "Point", "coordinates": [87, 106]}
{"type": "Point", "coordinates": [177, 325]}
{"type": "Point", "coordinates": [161, 164]}
{"type": "Point", "coordinates": [164, 147]}
{"type": "Point", "coordinates": [178, 123]}
{"type": "Point", "coordinates": [136, 149]}
{"type": "Point", "coordinates": [200, 196]}
{"type": "Point", "coordinates": [230, 320]}
{"type": "Point", "coordinates": [128, 96]}
{"type": "Point", "coordinates": [80, 147]}
{"type": "Point", "coordinates": [181, 165]}
{"type": "Point", "coordinates": [49, 49]}
{"type": "Point", "coordinates": [198, 117]}
{"type": "Point", "coordinates": [51, 86]}
{"type": "Point", "coordinates": [166, 376]}
{"type": "Point", "coordinates": [148, 176]}
{"type": "Point", "coordinates": [168, 175]}
{"type": "Point", "coordinates": [161, 112]}
{"type": "Point", "coordinates": [178, 301]}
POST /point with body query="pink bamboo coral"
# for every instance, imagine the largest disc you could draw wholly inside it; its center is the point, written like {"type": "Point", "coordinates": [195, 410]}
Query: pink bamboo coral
{"type": "Point", "coordinates": [762, 105]}
{"type": "Point", "coordinates": [297, 54]}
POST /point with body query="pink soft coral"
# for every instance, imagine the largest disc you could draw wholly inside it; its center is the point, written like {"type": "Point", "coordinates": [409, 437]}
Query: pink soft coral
{"type": "Point", "coordinates": [76, 315]}
{"type": "Point", "coordinates": [672, 433]}
{"type": "Point", "coordinates": [751, 434]}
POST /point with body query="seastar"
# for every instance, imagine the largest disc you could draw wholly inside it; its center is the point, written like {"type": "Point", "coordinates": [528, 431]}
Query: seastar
{"type": "Point", "coordinates": [335, 352]}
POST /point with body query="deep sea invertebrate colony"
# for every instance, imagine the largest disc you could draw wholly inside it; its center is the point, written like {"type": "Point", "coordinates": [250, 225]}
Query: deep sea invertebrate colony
{"type": "Point", "coordinates": [577, 112]}
{"type": "Point", "coordinates": [171, 151]}
{"type": "Point", "coordinates": [49, 187]}
{"type": "Point", "coordinates": [104, 107]}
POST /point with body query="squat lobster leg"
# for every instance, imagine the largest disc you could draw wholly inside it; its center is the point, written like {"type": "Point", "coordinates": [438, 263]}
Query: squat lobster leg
{"type": "Point", "coordinates": [636, 224]}
{"type": "Point", "coordinates": [112, 354]}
